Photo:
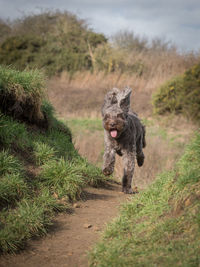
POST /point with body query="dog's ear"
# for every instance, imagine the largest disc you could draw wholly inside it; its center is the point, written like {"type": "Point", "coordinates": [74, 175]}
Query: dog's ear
{"type": "Point", "coordinates": [110, 99]}
{"type": "Point", "coordinates": [112, 96]}
{"type": "Point", "coordinates": [124, 99]}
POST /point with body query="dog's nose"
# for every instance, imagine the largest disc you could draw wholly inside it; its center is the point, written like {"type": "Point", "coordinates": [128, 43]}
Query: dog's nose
{"type": "Point", "coordinates": [112, 124]}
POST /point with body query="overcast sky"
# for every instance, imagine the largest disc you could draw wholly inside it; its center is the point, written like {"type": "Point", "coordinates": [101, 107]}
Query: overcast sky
{"type": "Point", "coordinates": [174, 20]}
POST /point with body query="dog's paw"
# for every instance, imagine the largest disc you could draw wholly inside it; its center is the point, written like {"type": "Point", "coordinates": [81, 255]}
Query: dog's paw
{"type": "Point", "coordinates": [107, 171]}
{"type": "Point", "coordinates": [140, 159]}
{"type": "Point", "coordinates": [129, 190]}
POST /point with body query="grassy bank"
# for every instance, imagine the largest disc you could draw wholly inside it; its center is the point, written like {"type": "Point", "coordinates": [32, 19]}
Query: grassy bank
{"type": "Point", "coordinates": [40, 171]}
{"type": "Point", "coordinates": [160, 226]}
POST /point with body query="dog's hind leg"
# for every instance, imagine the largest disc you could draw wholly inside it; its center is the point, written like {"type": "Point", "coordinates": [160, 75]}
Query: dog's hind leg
{"type": "Point", "coordinates": [129, 165]}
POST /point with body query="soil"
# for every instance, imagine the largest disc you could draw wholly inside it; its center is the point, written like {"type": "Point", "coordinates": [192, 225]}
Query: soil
{"type": "Point", "coordinates": [72, 235]}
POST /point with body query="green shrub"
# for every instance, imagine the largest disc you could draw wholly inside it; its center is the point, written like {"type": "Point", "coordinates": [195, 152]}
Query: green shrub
{"type": "Point", "coordinates": [180, 95]}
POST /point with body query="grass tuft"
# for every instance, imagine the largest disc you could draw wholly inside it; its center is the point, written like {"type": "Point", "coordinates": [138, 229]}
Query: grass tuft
{"type": "Point", "coordinates": [43, 152]}
{"type": "Point", "coordinates": [63, 178]}
{"type": "Point", "coordinates": [12, 188]}
{"type": "Point", "coordinates": [9, 164]}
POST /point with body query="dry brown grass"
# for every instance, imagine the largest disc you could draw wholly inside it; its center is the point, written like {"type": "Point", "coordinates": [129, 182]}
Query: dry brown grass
{"type": "Point", "coordinates": [90, 146]}
{"type": "Point", "coordinates": [82, 95]}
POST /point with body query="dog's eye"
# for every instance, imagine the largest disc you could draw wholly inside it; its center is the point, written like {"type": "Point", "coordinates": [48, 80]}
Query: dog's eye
{"type": "Point", "coordinates": [107, 116]}
{"type": "Point", "coordinates": [120, 116]}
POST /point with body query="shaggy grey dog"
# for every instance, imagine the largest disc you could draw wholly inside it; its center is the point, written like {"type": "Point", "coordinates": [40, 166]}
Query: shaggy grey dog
{"type": "Point", "coordinates": [124, 134]}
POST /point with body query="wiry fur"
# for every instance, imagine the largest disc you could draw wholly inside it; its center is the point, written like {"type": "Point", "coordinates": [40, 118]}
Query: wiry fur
{"type": "Point", "coordinates": [130, 138]}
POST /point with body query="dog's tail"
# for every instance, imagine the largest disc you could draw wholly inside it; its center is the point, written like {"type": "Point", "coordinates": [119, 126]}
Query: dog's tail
{"type": "Point", "coordinates": [144, 137]}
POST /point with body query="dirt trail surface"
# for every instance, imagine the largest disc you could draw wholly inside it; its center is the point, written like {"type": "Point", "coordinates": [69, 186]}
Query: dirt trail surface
{"type": "Point", "coordinates": [73, 235]}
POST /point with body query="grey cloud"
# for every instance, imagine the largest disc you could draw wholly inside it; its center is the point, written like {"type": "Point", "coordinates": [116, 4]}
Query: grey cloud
{"type": "Point", "coordinates": [177, 20]}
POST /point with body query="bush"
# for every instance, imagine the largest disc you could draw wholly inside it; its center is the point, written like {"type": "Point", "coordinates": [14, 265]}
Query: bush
{"type": "Point", "coordinates": [56, 41]}
{"type": "Point", "coordinates": [180, 95]}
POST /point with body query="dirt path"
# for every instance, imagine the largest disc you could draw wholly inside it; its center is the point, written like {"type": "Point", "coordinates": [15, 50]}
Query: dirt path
{"type": "Point", "coordinates": [72, 235]}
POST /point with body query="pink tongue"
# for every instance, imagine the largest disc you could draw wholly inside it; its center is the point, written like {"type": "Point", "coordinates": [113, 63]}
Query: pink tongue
{"type": "Point", "coordinates": [113, 133]}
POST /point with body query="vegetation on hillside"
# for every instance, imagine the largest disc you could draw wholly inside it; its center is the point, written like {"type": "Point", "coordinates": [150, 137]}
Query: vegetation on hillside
{"type": "Point", "coordinates": [181, 95]}
{"type": "Point", "coordinates": [160, 226]}
{"type": "Point", "coordinates": [40, 171]}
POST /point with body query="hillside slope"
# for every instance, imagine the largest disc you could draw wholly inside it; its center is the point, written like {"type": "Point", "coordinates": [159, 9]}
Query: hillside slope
{"type": "Point", "coordinates": [40, 171]}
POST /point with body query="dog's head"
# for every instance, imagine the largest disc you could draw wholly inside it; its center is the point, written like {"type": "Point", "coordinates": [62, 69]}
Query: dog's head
{"type": "Point", "coordinates": [115, 111]}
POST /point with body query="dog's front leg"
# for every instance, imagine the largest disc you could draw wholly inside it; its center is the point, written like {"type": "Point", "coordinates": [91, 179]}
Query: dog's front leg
{"type": "Point", "coordinates": [108, 160]}
{"type": "Point", "coordinates": [129, 165]}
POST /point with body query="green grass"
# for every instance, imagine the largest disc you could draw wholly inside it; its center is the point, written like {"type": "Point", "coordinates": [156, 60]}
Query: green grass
{"type": "Point", "coordinates": [9, 164]}
{"type": "Point", "coordinates": [11, 132]}
{"type": "Point", "coordinates": [25, 83]}
{"type": "Point", "coordinates": [160, 226]}
{"type": "Point", "coordinates": [82, 124]}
